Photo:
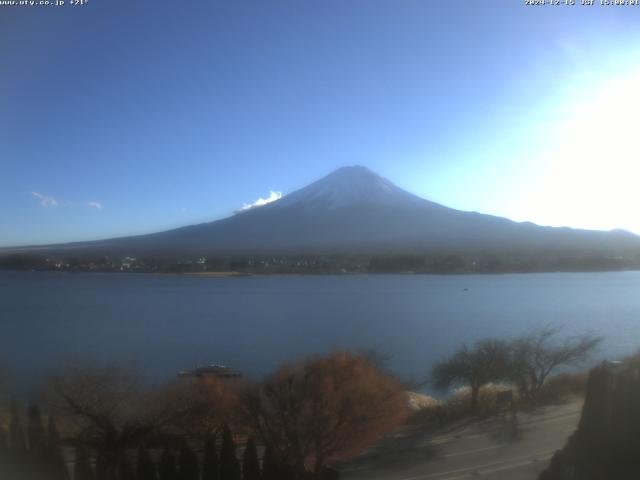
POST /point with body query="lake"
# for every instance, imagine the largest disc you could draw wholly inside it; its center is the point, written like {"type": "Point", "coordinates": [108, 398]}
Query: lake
{"type": "Point", "coordinates": [165, 323]}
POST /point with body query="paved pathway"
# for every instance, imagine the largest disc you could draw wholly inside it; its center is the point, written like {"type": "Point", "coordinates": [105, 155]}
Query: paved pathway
{"type": "Point", "coordinates": [497, 448]}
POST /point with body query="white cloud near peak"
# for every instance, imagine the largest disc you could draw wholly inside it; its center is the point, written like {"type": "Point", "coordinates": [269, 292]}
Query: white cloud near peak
{"type": "Point", "coordinates": [273, 196]}
{"type": "Point", "coordinates": [45, 200]}
{"type": "Point", "coordinates": [94, 204]}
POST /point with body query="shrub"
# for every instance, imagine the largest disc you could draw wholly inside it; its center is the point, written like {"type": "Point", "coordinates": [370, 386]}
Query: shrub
{"type": "Point", "coordinates": [325, 410]}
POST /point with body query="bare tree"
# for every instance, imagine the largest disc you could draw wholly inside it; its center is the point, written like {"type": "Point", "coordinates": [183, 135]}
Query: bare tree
{"type": "Point", "coordinates": [536, 355]}
{"type": "Point", "coordinates": [206, 405]}
{"type": "Point", "coordinates": [485, 362]}
{"type": "Point", "coordinates": [112, 410]}
{"type": "Point", "coordinates": [324, 410]}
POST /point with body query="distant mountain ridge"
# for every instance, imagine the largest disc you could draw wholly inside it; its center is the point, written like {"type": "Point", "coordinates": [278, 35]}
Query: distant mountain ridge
{"type": "Point", "coordinates": [355, 211]}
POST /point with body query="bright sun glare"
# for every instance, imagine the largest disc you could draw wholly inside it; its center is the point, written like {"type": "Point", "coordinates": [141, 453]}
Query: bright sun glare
{"type": "Point", "coordinates": [592, 162]}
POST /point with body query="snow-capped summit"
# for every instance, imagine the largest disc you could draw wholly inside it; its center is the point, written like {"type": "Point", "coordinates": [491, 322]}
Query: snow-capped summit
{"type": "Point", "coordinates": [348, 186]}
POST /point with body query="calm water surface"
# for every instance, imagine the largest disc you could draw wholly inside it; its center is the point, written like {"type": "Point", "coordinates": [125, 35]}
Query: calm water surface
{"type": "Point", "coordinates": [166, 323]}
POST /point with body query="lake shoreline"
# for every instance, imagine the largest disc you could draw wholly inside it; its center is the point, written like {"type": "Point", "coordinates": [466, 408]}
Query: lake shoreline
{"type": "Point", "coordinates": [236, 274]}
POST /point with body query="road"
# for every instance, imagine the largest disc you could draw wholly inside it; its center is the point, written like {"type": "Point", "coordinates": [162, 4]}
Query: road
{"type": "Point", "coordinates": [498, 448]}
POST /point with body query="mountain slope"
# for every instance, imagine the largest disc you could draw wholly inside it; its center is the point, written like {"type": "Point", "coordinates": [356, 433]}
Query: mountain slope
{"type": "Point", "coordinates": [353, 210]}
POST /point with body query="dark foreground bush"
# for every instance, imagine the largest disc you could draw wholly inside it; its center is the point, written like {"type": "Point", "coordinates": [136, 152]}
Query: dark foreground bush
{"type": "Point", "coordinates": [606, 444]}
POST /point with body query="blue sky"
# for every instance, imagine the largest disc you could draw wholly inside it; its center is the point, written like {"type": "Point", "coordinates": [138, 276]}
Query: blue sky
{"type": "Point", "coordinates": [124, 117]}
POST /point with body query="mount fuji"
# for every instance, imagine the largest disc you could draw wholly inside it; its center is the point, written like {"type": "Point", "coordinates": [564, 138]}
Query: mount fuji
{"type": "Point", "coordinates": [355, 211]}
